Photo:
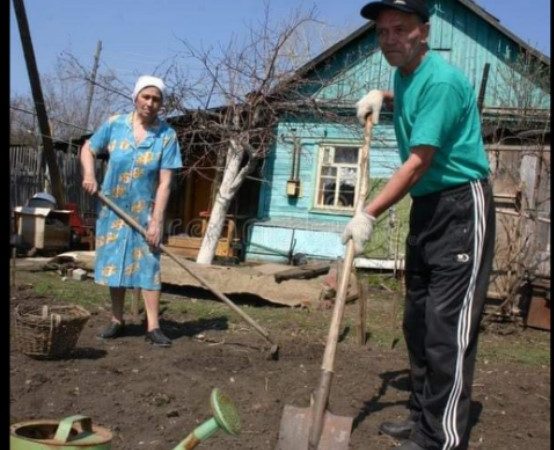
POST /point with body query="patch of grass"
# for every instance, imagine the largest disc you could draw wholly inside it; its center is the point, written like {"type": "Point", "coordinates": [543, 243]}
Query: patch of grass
{"type": "Point", "coordinates": [383, 281]}
{"type": "Point", "coordinates": [528, 347]}
{"type": "Point", "coordinates": [202, 308]}
{"type": "Point", "coordinates": [383, 319]}
{"type": "Point", "coordinates": [83, 293]}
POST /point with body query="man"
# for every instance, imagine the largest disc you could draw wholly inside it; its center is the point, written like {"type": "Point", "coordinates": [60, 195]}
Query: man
{"type": "Point", "coordinates": [450, 245]}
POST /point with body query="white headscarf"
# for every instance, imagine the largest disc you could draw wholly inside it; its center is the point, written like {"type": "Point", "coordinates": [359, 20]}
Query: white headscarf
{"type": "Point", "coordinates": [147, 81]}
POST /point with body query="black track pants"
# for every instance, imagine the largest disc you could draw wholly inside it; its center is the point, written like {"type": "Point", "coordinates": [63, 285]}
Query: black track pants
{"type": "Point", "coordinates": [449, 256]}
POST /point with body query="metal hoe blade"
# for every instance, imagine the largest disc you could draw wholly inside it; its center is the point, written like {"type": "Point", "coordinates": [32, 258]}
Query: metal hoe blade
{"type": "Point", "coordinates": [294, 430]}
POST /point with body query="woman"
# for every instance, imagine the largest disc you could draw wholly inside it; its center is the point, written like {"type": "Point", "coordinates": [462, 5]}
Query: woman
{"type": "Point", "coordinates": [143, 150]}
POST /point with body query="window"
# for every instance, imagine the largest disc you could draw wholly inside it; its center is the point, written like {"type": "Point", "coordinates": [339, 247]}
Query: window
{"type": "Point", "coordinates": [337, 179]}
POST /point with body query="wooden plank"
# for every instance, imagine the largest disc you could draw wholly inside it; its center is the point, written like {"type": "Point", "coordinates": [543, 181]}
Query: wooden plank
{"type": "Point", "coordinates": [304, 272]}
{"type": "Point", "coordinates": [189, 246]}
{"type": "Point", "coordinates": [184, 242]}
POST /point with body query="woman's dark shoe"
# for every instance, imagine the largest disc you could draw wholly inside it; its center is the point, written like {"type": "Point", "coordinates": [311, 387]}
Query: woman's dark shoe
{"type": "Point", "coordinates": [113, 330]}
{"type": "Point", "coordinates": [399, 430]}
{"type": "Point", "coordinates": [157, 338]}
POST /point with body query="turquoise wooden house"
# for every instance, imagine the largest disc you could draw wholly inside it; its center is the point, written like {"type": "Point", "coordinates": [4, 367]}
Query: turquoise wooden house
{"type": "Point", "coordinates": [311, 174]}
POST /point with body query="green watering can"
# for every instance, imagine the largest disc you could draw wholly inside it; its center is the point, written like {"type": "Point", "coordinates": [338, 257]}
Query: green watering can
{"type": "Point", "coordinates": [225, 417]}
{"type": "Point", "coordinates": [51, 434]}
{"type": "Point", "coordinates": [63, 435]}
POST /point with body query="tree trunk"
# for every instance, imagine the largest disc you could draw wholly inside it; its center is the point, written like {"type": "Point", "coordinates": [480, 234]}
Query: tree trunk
{"type": "Point", "coordinates": [232, 179]}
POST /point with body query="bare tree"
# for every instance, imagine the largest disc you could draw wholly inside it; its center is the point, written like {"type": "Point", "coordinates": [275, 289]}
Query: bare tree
{"type": "Point", "coordinates": [253, 83]}
{"type": "Point", "coordinates": [23, 122]}
{"type": "Point", "coordinates": [64, 94]}
{"type": "Point", "coordinates": [73, 79]}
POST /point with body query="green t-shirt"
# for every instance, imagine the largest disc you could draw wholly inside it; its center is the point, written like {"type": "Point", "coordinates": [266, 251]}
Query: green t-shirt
{"type": "Point", "coordinates": [435, 105]}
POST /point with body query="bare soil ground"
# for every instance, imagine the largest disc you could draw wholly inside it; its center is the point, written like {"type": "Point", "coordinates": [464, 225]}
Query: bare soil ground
{"type": "Point", "coordinates": [152, 398]}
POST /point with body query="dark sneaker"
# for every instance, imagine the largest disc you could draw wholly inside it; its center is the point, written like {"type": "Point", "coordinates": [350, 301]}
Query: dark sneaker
{"type": "Point", "coordinates": [157, 338]}
{"type": "Point", "coordinates": [113, 330]}
{"type": "Point", "coordinates": [399, 430]}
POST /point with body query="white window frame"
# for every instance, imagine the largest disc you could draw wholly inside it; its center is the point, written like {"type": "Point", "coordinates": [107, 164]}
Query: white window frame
{"type": "Point", "coordinates": [332, 146]}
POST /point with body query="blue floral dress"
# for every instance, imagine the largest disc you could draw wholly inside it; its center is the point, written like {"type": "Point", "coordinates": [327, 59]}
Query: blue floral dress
{"type": "Point", "coordinates": [123, 257]}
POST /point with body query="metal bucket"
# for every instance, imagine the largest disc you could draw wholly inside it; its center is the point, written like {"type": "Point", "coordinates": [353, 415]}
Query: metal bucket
{"type": "Point", "coordinates": [51, 434]}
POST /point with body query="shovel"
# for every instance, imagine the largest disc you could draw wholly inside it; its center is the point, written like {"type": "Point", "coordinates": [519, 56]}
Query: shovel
{"type": "Point", "coordinates": [274, 349]}
{"type": "Point", "coordinates": [316, 428]}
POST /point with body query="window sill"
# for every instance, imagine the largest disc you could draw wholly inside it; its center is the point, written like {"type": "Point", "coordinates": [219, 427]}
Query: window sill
{"type": "Point", "coordinates": [332, 212]}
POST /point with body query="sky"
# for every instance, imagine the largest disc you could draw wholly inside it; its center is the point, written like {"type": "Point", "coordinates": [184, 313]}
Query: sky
{"type": "Point", "coordinates": [137, 35]}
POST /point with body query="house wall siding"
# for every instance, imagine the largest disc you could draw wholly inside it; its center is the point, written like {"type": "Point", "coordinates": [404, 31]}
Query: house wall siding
{"type": "Point", "coordinates": [274, 201]}
{"type": "Point", "coordinates": [271, 243]}
{"type": "Point", "coordinates": [293, 225]}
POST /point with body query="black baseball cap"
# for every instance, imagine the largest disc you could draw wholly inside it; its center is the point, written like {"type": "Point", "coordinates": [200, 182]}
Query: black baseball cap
{"type": "Point", "coordinates": [372, 10]}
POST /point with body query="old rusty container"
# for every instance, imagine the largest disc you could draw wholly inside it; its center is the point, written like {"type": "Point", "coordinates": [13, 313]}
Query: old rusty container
{"type": "Point", "coordinates": [72, 433]}
{"type": "Point", "coordinates": [538, 309]}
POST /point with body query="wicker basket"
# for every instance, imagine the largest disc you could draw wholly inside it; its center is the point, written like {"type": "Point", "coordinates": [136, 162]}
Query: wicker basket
{"type": "Point", "coordinates": [48, 331]}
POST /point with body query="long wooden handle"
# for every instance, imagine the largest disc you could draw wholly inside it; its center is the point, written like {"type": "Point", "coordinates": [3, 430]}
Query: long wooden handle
{"type": "Point", "coordinates": [134, 224]}
{"type": "Point", "coordinates": [327, 368]}
{"type": "Point", "coordinates": [338, 311]}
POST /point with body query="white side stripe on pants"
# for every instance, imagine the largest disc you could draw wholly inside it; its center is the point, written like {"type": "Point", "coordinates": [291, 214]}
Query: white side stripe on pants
{"type": "Point", "coordinates": [449, 420]}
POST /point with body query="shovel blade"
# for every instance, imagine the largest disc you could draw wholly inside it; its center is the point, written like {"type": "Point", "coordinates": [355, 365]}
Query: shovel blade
{"type": "Point", "coordinates": [294, 430]}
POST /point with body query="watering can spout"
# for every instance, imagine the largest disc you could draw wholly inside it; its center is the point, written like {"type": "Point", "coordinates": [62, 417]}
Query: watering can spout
{"type": "Point", "coordinates": [225, 417]}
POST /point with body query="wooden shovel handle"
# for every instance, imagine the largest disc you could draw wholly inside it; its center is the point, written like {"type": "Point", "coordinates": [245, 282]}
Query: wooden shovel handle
{"type": "Point", "coordinates": [327, 368]}
{"type": "Point", "coordinates": [338, 310]}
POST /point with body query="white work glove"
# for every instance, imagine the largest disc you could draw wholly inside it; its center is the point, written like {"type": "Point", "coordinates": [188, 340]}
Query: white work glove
{"type": "Point", "coordinates": [359, 230]}
{"type": "Point", "coordinates": [370, 104]}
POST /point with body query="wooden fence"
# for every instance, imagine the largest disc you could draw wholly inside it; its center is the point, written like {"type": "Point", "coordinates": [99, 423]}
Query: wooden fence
{"type": "Point", "coordinates": [521, 186]}
{"type": "Point", "coordinates": [29, 175]}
